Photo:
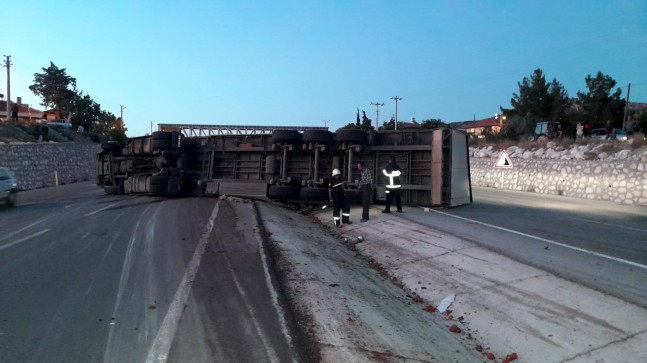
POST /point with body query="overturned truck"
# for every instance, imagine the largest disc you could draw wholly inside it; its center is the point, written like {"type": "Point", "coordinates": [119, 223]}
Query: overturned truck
{"type": "Point", "coordinates": [287, 163]}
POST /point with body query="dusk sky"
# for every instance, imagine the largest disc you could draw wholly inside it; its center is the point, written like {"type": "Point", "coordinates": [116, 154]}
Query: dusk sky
{"type": "Point", "coordinates": [302, 62]}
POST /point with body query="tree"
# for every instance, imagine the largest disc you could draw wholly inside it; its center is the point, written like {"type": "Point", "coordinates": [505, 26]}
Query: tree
{"type": "Point", "coordinates": [85, 111]}
{"type": "Point", "coordinates": [539, 100]}
{"type": "Point", "coordinates": [599, 104]}
{"type": "Point", "coordinates": [55, 87]}
{"type": "Point", "coordinates": [367, 123]}
{"type": "Point", "coordinates": [432, 123]}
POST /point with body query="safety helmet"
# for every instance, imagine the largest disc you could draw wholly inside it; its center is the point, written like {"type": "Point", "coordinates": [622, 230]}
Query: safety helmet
{"type": "Point", "coordinates": [336, 172]}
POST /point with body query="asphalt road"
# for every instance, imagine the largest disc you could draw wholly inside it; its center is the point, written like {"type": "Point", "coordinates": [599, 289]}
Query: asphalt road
{"type": "Point", "coordinates": [599, 244]}
{"type": "Point", "coordinates": [86, 277]}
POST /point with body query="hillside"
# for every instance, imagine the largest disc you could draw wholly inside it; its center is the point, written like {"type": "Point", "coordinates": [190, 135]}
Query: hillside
{"type": "Point", "coordinates": [27, 133]}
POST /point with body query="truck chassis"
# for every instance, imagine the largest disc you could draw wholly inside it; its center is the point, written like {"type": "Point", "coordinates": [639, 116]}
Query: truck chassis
{"type": "Point", "coordinates": [286, 163]}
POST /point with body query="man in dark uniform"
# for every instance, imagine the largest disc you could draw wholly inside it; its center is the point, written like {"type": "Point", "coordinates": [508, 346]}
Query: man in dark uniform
{"type": "Point", "coordinates": [338, 199]}
{"type": "Point", "coordinates": [392, 171]}
{"type": "Point", "coordinates": [366, 185]}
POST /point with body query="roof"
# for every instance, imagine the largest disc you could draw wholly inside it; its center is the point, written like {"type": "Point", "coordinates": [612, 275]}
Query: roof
{"type": "Point", "coordinates": [488, 122]}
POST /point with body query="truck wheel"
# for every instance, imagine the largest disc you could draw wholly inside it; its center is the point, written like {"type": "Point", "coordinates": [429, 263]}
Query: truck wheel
{"type": "Point", "coordinates": [112, 146]}
{"type": "Point", "coordinates": [322, 136]}
{"type": "Point", "coordinates": [283, 192]}
{"type": "Point", "coordinates": [314, 194]}
{"type": "Point", "coordinates": [356, 136]}
{"type": "Point", "coordinates": [286, 136]}
{"type": "Point", "coordinates": [161, 140]}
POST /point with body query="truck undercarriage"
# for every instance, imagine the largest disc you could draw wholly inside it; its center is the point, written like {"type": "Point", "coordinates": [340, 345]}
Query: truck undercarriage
{"type": "Point", "coordinates": [287, 163]}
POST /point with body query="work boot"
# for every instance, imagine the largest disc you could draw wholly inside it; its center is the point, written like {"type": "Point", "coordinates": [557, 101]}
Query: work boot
{"type": "Point", "coordinates": [387, 211]}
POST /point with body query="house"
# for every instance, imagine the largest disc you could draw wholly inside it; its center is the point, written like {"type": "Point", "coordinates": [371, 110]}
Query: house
{"type": "Point", "coordinates": [479, 128]}
{"type": "Point", "coordinates": [25, 112]}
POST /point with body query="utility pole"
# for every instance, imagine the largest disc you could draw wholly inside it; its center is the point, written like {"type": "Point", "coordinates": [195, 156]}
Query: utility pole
{"type": "Point", "coordinates": [624, 118]}
{"type": "Point", "coordinates": [377, 113]}
{"type": "Point", "coordinates": [7, 63]}
{"type": "Point", "coordinates": [122, 112]}
{"type": "Point", "coordinates": [396, 98]}
{"type": "Point", "coordinates": [325, 122]}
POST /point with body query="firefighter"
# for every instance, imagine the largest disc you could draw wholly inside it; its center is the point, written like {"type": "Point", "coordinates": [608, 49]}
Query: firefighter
{"type": "Point", "coordinates": [392, 171]}
{"type": "Point", "coordinates": [338, 199]}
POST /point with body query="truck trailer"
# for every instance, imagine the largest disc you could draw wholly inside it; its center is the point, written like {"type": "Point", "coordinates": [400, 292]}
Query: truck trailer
{"type": "Point", "coordinates": [287, 163]}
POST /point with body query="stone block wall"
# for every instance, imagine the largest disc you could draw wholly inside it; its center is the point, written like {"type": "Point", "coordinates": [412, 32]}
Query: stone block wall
{"type": "Point", "coordinates": [617, 181]}
{"type": "Point", "coordinates": [38, 165]}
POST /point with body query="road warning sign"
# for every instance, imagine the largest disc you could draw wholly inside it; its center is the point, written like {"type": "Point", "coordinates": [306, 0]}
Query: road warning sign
{"type": "Point", "coordinates": [503, 161]}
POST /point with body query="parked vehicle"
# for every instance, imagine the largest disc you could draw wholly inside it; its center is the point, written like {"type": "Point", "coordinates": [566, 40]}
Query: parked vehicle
{"type": "Point", "coordinates": [62, 123]}
{"type": "Point", "coordinates": [546, 130]}
{"type": "Point", "coordinates": [287, 163]}
{"type": "Point", "coordinates": [8, 187]}
{"type": "Point", "coordinates": [601, 134]}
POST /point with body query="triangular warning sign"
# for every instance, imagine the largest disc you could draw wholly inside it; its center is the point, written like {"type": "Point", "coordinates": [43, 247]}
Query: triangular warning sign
{"type": "Point", "coordinates": [503, 161]}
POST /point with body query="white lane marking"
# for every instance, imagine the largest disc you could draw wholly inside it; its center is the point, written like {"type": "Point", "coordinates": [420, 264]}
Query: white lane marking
{"type": "Point", "coordinates": [100, 209]}
{"type": "Point", "coordinates": [123, 279]}
{"type": "Point", "coordinates": [161, 346]}
{"type": "Point", "coordinates": [40, 221]}
{"type": "Point", "coordinates": [635, 264]}
{"type": "Point", "coordinates": [24, 239]}
{"type": "Point", "coordinates": [268, 282]}
{"type": "Point", "coordinates": [610, 224]}
{"type": "Point", "coordinates": [271, 353]}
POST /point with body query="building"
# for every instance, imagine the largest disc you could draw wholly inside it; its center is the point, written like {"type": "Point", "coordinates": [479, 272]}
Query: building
{"type": "Point", "coordinates": [25, 112]}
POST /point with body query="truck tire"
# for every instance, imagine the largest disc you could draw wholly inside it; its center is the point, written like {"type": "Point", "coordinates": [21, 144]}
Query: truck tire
{"type": "Point", "coordinates": [356, 136]}
{"type": "Point", "coordinates": [113, 147]}
{"type": "Point", "coordinates": [315, 194]}
{"type": "Point", "coordinates": [161, 140]}
{"type": "Point", "coordinates": [286, 136]}
{"type": "Point", "coordinates": [322, 136]}
{"type": "Point", "coordinates": [283, 192]}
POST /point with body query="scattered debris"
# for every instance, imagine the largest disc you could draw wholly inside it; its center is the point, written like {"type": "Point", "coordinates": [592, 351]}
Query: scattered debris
{"type": "Point", "coordinates": [446, 303]}
{"type": "Point", "coordinates": [479, 348]}
{"type": "Point", "coordinates": [333, 285]}
{"type": "Point", "coordinates": [455, 329]}
{"type": "Point", "coordinates": [490, 356]}
{"type": "Point", "coordinates": [511, 356]}
{"type": "Point", "coordinates": [152, 307]}
{"type": "Point", "coordinates": [429, 308]}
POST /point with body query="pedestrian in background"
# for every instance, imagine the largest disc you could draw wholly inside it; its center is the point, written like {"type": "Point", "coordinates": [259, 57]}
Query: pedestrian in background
{"type": "Point", "coordinates": [609, 130]}
{"type": "Point", "coordinates": [630, 125]}
{"type": "Point", "coordinates": [366, 184]}
{"type": "Point", "coordinates": [579, 131]}
{"type": "Point", "coordinates": [338, 199]}
{"type": "Point", "coordinates": [587, 130]}
{"type": "Point", "coordinates": [392, 171]}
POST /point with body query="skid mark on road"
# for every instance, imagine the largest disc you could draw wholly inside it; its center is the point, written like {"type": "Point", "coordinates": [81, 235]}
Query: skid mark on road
{"type": "Point", "coordinates": [125, 274]}
{"type": "Point", "coordinates": [601, 255]}
{"type": "Point", "coordinates": [161, 346]}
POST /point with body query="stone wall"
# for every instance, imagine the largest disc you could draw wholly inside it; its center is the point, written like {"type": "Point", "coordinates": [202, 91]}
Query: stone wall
{"type": "Point", "coordinates": [620, 181]}
{"type": "Point", "coordinates": [39, 165]}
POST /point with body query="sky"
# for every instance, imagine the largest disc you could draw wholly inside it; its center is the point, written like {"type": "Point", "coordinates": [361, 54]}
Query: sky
{"type": "Point", "coordinates": [314, 63]}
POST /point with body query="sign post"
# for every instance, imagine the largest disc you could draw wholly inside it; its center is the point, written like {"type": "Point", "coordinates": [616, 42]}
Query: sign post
{"type": "Point", "coordinates": [503, 162]}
